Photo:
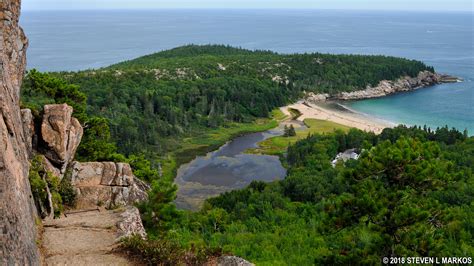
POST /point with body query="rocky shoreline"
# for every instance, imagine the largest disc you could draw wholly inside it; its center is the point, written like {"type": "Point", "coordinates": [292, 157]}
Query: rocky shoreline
{"type": "Point", "coordinates": [388, 87]}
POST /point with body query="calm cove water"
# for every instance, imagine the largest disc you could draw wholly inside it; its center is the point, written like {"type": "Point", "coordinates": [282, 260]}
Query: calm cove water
{"type": "Point", "coordinates": [92, 39]}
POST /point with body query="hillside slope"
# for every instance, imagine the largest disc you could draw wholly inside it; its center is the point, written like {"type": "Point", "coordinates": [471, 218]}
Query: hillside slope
{"type": "Point", "coordinates": [154, 101]}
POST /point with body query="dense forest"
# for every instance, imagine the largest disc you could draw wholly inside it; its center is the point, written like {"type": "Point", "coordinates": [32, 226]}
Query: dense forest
{"type": "Point", "coordinates": [410, 193]}
{"type": "Point", "coordinates": [155, 101]}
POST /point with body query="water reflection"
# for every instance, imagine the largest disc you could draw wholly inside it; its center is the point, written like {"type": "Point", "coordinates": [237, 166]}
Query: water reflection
{"type": "Point", "coordinates": [226, 169]}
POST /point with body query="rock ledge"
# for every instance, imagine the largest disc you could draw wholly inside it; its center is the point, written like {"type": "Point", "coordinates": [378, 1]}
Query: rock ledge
{"type": "Point", "coordinates": [387, 87]}
{"type": "Point", "coordinates": [106, 184]}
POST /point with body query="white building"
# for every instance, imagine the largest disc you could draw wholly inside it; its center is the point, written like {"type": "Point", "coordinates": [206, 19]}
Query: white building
{"type": "Point", "coordinates": [345, 156]}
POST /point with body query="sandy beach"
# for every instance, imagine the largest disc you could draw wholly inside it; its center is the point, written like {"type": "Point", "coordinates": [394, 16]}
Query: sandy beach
{"type": "Point", "coordinates": [311, 110]}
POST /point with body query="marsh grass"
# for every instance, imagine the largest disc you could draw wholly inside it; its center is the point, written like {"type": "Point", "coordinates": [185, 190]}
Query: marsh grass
{"type": "Point", "coordinates": [210, 140]}
{"type": "Point", "coordinates": [279, 145]}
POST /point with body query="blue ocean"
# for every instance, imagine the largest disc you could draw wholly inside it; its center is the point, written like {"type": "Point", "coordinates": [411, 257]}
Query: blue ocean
{"type": "Point", "coordinates": [77, 40]}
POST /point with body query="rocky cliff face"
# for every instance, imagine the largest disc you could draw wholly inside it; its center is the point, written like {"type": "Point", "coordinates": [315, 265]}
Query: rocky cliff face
{"type": "Point", "coordinates": [55, 142]}
{"type": "Point", "coordinates": [17, 212]}
{"type": "Point", "coordinates": [387, 87]}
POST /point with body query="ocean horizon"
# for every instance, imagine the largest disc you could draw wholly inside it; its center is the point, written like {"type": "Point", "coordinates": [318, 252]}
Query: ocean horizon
{"type": "Point", "coordinates": [79, 40]}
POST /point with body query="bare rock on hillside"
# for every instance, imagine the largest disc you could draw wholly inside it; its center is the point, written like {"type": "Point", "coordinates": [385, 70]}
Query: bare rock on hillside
{"type": "Point", "coordinates": [387, 87]}
{"type": "Point", "coordinates": [311, 97]}
{"type": "Point", "coordinates": [232, 261]}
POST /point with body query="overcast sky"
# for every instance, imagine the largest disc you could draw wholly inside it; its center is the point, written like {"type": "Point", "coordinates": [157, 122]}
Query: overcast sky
{"type": "Point", "coordinates": [414, 5]}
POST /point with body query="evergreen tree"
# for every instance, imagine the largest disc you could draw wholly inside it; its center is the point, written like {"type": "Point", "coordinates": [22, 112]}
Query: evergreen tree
{"type": "Point", "coordinates": [291, 131]}
{"type": "Point", "coordinates": [286, 131]}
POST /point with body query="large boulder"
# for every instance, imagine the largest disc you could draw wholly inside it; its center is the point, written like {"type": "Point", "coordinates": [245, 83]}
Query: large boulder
{"type": "Point", "coordinates": [130, 223]}
{"type": "Point", "coordinates": [106, 184]}
{"type": "Point", "coordinates": [61, 133]}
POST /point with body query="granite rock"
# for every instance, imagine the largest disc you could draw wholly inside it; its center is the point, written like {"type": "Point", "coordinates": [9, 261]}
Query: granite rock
{"type": "Point", "coordinates": [61, 133]}
{"type": "Point", "coordinates": [106, 184]}
{"type": "Point", "coordinates": [130, 223]}
{"type": "Point", "coordinates": [232, 261]}
{"type": "Point", "coordinates": [387, 87]}
{"type": "Point", "coordinates": [28, 129]}
{"type": "Point", "coordinates": [17, 210]}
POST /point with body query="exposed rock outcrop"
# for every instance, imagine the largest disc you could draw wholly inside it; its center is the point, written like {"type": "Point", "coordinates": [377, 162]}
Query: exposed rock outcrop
{"type": "Point", "coordinates": [310, 96]}
{"type": "Point", "coordinates": [85, 237]}
{"type": "Point", "coordinates": [17, 211]}
{"type": "Point", "coordinates": [106, 184]}
{"type": "Point", "coordinates": [232, 261]}
{"type": "Point", "coordinates": [130, 223]}
{"type": "Point", "coordinates": [61, 132]}
{"type": "Point", "coordinates": [387, 87]}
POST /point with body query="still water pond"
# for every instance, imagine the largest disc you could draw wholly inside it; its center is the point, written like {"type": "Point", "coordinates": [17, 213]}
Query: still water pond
{"type": "Point", "coordinates": [225, 169]}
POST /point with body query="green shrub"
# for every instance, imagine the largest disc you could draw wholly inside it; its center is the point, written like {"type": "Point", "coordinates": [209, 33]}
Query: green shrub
{"type": "Point", "coordinates": [153, 252]}
{"type": "Point", "coordinates": [166, 252]}
{"type": "Point", "coordinates": [67, 192]}
{"type": "Point", "coordinates": [57, 204]}
{"type": "Point", "coordinates": [41, 88]}
{"type": "Point", "coordinates": [38, 186]}
{"type": "Point", "coordinates": [62, 192]}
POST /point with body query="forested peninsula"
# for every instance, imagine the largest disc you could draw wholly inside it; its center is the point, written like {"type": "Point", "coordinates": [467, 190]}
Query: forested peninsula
{"type": "Point", "coordinates": [154, 101]}
{"type": "Point", "coordinates": [409, 193]}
